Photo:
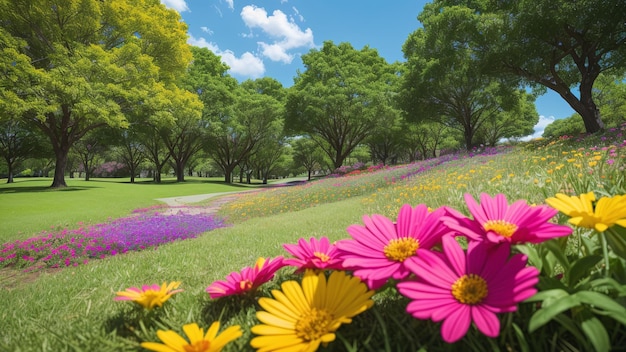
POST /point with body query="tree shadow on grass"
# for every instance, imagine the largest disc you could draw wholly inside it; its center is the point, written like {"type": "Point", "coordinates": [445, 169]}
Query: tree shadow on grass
{"type": "Point", "coordinates": [41, 189]}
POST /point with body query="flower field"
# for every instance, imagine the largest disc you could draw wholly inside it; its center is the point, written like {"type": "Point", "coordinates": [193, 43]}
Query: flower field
{"type": "Point", "coordinates": [517, 248]}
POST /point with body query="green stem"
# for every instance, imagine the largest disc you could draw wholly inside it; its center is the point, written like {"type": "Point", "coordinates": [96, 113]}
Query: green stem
{"type": "Point", "coordinates": [605, 253]}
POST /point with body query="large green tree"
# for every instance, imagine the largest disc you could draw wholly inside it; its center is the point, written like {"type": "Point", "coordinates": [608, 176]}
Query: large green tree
{"type": "Point", "coordinates": [93, 61]}
{"type": "Point", "coordinates": [338, 98]}
{"type": "Point", "coordinates": [18, 143]}
{"type": "Point", "coordinates": [444, 82]}
{"type": "Point", "coordinates": [561, 45]}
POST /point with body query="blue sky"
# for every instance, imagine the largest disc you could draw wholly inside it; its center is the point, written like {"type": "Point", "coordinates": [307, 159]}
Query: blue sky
{"type": "Point", "coordinates": [266, 38]}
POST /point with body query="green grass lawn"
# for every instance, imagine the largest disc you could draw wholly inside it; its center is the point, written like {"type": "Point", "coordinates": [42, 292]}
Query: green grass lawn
{"type": "Point", "coordinates": [29, 205]}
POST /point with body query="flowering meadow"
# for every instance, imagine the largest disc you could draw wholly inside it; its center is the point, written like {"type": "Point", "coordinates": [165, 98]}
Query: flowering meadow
{"type": "Point", "coordinates": [520, 248]}
{"type": "Point", "coordinates": [146, 229]}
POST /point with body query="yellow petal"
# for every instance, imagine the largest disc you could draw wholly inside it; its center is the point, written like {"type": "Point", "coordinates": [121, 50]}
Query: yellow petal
{"type": "Point", "coordinates": [273, 320]}
{"type": "Point", "coordinates": [153, 346]}
{"type": "Point", "coordinates": [172, 339]}
{"type": "Point", "coordinates": [271, 330]}
{"type": "Point", "coordinates": [193, 332]}
{"type": "Point", "coordinates": [278, 309]}
{"type": "Point", "coordinates": [212, 331]}
{"type": "Point", "coordinates": [231, 333]}
{"type": "Point", "coordinates": [273, 343]}
{"type": "Point", "coordinates": [293, 292]}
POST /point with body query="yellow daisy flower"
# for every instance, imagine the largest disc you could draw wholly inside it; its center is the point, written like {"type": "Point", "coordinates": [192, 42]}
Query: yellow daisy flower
{"type": "Point", "coordinates": [606, 212]}
{"type": "Point", "coordinates": [198, 341]}
{"type": "Point", "coordinates": [149, 296]}
{"type": "Point", "coordinates": [301, 317]}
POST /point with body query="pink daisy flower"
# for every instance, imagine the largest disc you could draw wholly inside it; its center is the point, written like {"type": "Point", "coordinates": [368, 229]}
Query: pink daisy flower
{"type": "Point", "coordinates": [460, 288]}
{"type": "Point", "coordinates": [378, 251]}
{"type": "Point", "coordinates": [321, 255]}
{"type": "Point", "coordinates": [496, 221]}
{"type": "Point", "coordinates": [247, 280]}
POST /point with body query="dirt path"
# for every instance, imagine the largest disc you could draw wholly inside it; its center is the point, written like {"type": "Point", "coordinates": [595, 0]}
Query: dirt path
{"type": "Point", "coordinates": [185, 204]}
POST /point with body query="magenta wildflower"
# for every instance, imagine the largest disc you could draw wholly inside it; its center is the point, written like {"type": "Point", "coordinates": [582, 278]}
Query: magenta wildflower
{"type": "Point", "coordinates": [321, 255]}
{"type": "Point", "coordinates": [378, 250]}
{"type": "Point", "coordinates": [459, 288]}
{"type": "Point", "coordinates": [496, 221]}
{"type": "Point", "coordinates": [247, 280]}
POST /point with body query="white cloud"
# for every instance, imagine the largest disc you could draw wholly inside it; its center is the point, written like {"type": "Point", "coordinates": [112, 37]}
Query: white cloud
{"type": "Point", "coordinates": [286, 33]}
{"type": "Point", "coordinates": [540, 127]}
{"type": "Point", "coordinates": [231, 4]}
{"type": "Point", "coordinates": [178, 5]}
{"type": "Point", "coordinates": [246, 66]}
{"type": "Point", "coordinates": [297, 14]}
{"type": "Point", "coordinates": [206, 30]}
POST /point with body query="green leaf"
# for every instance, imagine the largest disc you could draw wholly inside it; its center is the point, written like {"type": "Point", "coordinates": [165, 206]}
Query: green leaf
{"type": "Point", "coordinates": [599, 300]}
{"type": "Point", "coordinates": [558, 252]}
{"type": "Point", "coordinates": [521, 339]}
{"type": "Point", "coordinates": [549, 311]}
{"type": "Point", "coordinates": [580, 268]}
{"type": "Point", "coordinates": [616, 237]}
{"type": "Point", "coordinates": [596, 333]}
{"type": "Point", "coordinates": [548, 295]}
{"type": "Point", "coordinates": [533, 257]}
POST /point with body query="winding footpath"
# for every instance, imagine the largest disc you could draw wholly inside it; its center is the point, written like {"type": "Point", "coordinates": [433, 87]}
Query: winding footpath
{"type": "Point", "coordinates": [185, 204]}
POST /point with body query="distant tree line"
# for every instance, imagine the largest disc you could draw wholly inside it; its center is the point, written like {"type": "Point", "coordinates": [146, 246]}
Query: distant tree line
{"type": "Point", "coordinates": [112, 88]}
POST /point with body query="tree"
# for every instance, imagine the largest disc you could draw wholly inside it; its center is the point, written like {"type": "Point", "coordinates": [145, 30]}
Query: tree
{"type": "Point", "coordinates": [610, 94]}
{"type": "Point", "coordinates": [94, 60]}
{"type": "Point", "coordinates": [269, 152]}
{"type": "Point", "coordinates": [570, 126]}
{"type": "Point", "coordinates": [18, 143]}
{"type": "Point", "coordinates": [89, 150]}
{"type": "Point", "coordinates": [445, 83]}
{"type": "Point", "coordinates": [518, 122]}
{"type": "Point", "coordinates": [307, 154]}
{"type": "Point", "coordinates": [184, 139]}
{"type": "Point", "coordinates": [560, 45]}
{"type": "Point", "coordinates": [423, 139]}
{"type": "Point", "coordinates": [130, 151]}
{"type": "Point", "coordinates": [337, 99]}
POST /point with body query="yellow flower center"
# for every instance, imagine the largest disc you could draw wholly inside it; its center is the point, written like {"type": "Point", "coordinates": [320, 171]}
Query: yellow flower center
{"type": "Point", "coordinates": [400, 249]}
{"type": "Point", "coordinates": [314, 325]}
{"type": "Point", "coordinates": [469, 289]}
{"type": "Point", "coordinates": [151, 298]}
{"type": "Point", "coordinates": [501, 227]}
{"type": "Point", "coordinates": [322, 256]}
{"type": "Point", "coordinates": [199, 346]}
{"type": "Point", "coordinates": [245, 285]}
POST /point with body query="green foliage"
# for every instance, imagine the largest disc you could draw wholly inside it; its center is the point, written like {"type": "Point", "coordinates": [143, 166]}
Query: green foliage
{"type": "Point", "coordinates": [570, 126]}
{"type": "Point", "coordinates": [338, 99]}
{"type": "Point", "coordinates": [445, 81]}
{"type": "Point", "coordinates": [88, 63]}
{"type": "Point", "coordinates": [546, 43]}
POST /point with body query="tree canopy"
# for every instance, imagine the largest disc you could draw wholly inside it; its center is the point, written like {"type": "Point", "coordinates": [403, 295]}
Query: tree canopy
{"type": "Point", "coordinates": [560, 45]}
{"type": "Point", "coordinates": [446, 82]}
{"type": "Point", "coordinates": [88, 62]}
{"type": "Point", "coordinates": [338, 97]}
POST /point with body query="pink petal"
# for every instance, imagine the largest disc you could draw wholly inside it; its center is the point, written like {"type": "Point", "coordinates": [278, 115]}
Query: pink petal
{"type": "Point", "coordinates": [456, 325]}
{"type": "Point", "coordinates": [486, 321]}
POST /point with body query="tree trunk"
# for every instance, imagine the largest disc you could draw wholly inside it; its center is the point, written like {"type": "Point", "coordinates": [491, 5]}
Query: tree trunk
{"type": "Point", "coordinates": [180, 172]}
{"type": "Point", "coordinates": [59, 168]}
{"type": "Point", "coordinates": [228, 175]}
{"type": "Point", "coordinates": [10, 177]}
{"type": "Point", "coordinates": [309, 178]}
{"type": "Point", "coordinates": [157, 174]}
